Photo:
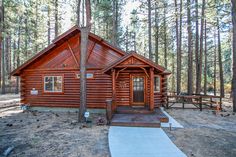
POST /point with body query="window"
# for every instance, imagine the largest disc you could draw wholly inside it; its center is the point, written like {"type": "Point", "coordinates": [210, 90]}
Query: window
{"type": "Point", "coordinates": [157, 84]}
{"type": "Point", "coordinates": [52, 83]}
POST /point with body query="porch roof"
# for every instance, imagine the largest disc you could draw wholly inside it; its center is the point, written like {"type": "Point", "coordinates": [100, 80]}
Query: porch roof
{"type": "Point", "coordinates": [135, 60]}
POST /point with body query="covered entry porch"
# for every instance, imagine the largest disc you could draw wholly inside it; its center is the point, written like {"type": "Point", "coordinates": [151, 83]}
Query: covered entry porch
{"type": "Point", "coordinates": [138, 86]}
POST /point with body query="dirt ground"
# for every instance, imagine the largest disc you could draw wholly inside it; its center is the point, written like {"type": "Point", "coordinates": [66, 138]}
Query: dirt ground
{"type": "Point", "coordinates": [47, 134]}
{"type": "Point", "coordinates": [205, 134]}
{"type": "Point", "coordinates": [8, 100]}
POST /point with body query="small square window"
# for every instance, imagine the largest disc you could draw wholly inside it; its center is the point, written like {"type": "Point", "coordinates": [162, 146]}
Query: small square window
{"type": "Point", "coordinates": [52, 83]}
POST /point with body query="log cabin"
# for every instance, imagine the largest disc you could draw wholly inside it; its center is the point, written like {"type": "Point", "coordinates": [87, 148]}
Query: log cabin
{"type": "Point", "coordinates": [52, 77]}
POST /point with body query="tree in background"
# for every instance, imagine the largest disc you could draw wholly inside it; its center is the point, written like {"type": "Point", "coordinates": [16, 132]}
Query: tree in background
{"type": "Point", "coordinates": [129, 30]}
{"type": "Point", "coordinates": [149, 30]}
{"type": "Point", "coordinates": [1, 40]}
{"type": "Point", "coordinates": [84, 32]}
{"type": "Point", "coordinates": [234, 53]}
{"type": "Point", "coordinates": [190, 50]}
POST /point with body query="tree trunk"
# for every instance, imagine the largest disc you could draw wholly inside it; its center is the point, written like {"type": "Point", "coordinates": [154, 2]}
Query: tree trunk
{"type": "Point", "coordinates": [1, 39]}
{"type": "Point", "coordinates": [205, 59]}
{"type": "Point", "coordinates": [35, 27]}
{"type": "Point", "coordinates": [2, 50]}
{"type": "Point", "coordinates": [149, 30]}
{"type": "Point", "coordinates": [220, 61]}
{"type": "Point", "coordinates": [49, 25]}
{"type": "Point", "coordinates": [199, 73]}
{"type": "Point", "coordinates": [178, 75]}
{"type": "Point", "coordinates": [26, 38]}
{"type": "Point", "coordinates": [78, 12]}
{"type": "Point", "coordinates": [14, 54]}
{"type": "Point", "coordinates": [179, 44]}
{"type": "Point", "coordinates": [165, 36]}
{"type": "Point", "coordinates": [7, 52]}
{"type": "Point", "coordinates": [156, 34]}
{"type": "Point", "coordinates": [114, 20]}
{"type": "Point", "coordinates": [196, 45]}
{"type": "Point", "coordinates": [127, 39]}
{"type": "Point", "coordinates": [215, 63]}
{"type": "Point", "coordinates": [9, 55]}
{"type": "Point", "coordinates": [56, 18]}
{"type": "Point", "coordinates": [83, 56]}
{"type": "Point", "coordinates": [190, 50]}
{"type": "Point", "coordinates": [18, 55]}
{"type": "Point", "coordinates": [234, 54]}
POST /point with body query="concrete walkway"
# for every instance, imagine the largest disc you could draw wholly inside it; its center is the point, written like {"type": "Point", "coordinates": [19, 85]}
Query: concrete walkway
{"type": "Point", "coordinates": [171, 122]}
{"type": "Point", "coordinates": [141, 142]}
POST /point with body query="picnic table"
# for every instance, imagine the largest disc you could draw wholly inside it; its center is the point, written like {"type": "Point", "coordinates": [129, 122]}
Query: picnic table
{"type": "Point", "coordinates": [198, 101]}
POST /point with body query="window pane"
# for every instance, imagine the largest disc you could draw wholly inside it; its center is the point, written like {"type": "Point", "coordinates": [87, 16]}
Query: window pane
{"type": "Point", "coordinates": [48, 84]}
{"type": "Point", "coordinates": [157, 84]}
{"type": "Point", "coordinates": [58, 84]}
{"type": "Point", "coordinates": [53, 84]}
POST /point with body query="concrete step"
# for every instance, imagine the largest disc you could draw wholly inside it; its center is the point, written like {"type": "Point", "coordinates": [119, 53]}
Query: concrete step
{"type": "Point", "coordinates": [136, 120]}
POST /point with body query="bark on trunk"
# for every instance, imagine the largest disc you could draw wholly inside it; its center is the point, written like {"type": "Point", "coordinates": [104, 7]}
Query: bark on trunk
{"type": "Point", "coordinates": [83, 57]}
{"type": "Point", "coordinates": [177, 47]}
{"type": "Point", "coordinates": [149, 30]}
{"type": "Point", "coordinates": [56, 18]}
{"type": "Point", "coordinates": [199, 73]}
{"type": "Point", "coordinates": [222, 93]}
{"type": "Point", "coordinates": [196, 45]}
{"type": "Point", "coordinates": [165, 37]}
{"type": "Point", "coordinates": [2, 81]}
{"type": "Point", "coordinates": [114, 20]}
{"type": "Point", "coordinates": [1, 31]}
{"type": "Point", "coordinates": [234, 54]}
{"type": "Point", "coordinates": [78, 12]}
{"type": "Point", "coordinates": [18, 56]}
{"type": "Point", "coordinates": [156, 34]}
{"type": "Point", "coordinates": [215, 63]}
{"type": "Point", "coordinates": [205, 59]}
{"type": "Point", "coordinates": [190, 50]}
{"type": "Point", "coordinates": [35, 27]}
{"type": "Point", "coordinates": [49, 26]}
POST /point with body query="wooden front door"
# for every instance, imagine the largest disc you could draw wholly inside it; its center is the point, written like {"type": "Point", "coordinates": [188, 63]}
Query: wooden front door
{"type": "Point", "coordinates": [138, 89]}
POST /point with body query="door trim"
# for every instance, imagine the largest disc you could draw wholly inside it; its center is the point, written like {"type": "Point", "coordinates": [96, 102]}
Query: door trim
{"type": "Point", "coordinates": [132, 103]}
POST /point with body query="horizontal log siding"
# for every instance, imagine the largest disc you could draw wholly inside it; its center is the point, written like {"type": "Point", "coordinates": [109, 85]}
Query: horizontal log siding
{"type": "Point", "coordinates": [98, 89]}
{"type": "Point", "coordinates": [123, 89]}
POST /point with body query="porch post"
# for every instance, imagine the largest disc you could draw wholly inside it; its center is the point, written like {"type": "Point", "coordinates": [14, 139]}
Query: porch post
{"type": "Point", "coordinates": [151, 105]}
{"type": "Point", "coordinates": [114, 88]}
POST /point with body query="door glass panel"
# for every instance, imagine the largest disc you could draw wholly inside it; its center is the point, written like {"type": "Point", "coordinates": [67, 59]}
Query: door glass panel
{"type": "Point", "coordinates": [138, 89]}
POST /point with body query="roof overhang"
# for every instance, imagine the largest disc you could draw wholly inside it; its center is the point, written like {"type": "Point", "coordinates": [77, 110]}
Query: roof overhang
{"type": "Point", "coordinates": [161, 70]}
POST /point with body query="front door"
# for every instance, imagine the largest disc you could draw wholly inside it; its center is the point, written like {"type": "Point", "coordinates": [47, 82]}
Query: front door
{"type": "Point", "coordinates": [138, 90]}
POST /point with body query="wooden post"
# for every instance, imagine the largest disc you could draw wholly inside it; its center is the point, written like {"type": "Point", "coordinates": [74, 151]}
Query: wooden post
{"type": "Point", "coordinates": [151, 89]}
{"type": "Point", "coordinates": [114, 88]}
{"type": "Point", "coordinates": [200, 104]}
{"type": "Point", "coordinates": [220, 103]}
{"type": "Point", "coordinates": [167, 102]}
{"type": "Point", "coordinates": [109, 111]}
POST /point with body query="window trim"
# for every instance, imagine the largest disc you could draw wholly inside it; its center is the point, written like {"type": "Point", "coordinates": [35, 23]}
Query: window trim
{"type": "Point", "coordinates": [53, 92]}
{"type": "Point", "coordinates": [160, 83]}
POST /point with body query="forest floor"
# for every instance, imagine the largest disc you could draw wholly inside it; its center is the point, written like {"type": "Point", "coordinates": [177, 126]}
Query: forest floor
{"type": "Point", "coordinates": [205, 134]}
{"type": "Point", "coordinates": [46, 134]}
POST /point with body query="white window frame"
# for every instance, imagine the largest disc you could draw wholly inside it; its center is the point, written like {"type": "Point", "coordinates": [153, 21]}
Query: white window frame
{"type": "Point", "coordinates": [53, 87]}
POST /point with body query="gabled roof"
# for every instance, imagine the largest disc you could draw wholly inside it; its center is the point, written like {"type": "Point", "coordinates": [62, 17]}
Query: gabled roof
{"type": "Point", "coordinates": [58, 41]}
{"type": "Point", "coordinates": [139, 57]}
